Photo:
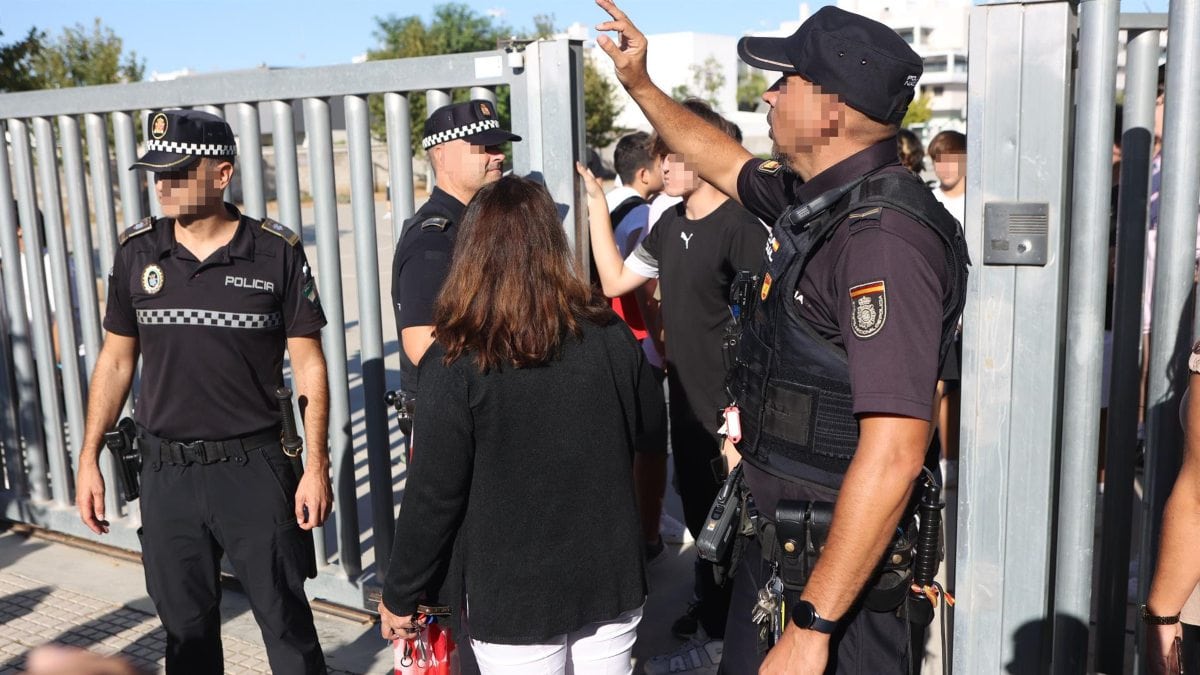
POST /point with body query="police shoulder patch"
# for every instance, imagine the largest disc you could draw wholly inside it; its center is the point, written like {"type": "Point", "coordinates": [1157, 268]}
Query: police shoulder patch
{"type": "Point", "coordinates": [770, 167]}
{"type": "Point", "coordinates": [868, 309]}
{"type": "Point", "coordinates": [141, 227]}
{"type": "Point", "coordinates": [434, 223]}
{"type": "Point", "coordinates": [281, 231]}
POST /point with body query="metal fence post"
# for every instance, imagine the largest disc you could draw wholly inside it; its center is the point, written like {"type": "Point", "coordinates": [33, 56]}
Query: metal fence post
{"type": "Point", "coordinates": [1085, 338]}
{"type": "Point", "coordinates": [400, 170]}
{"type": "Point", "coordinates": [370, 328]}
{"type": "Point", "coordinates": [1137, 144]}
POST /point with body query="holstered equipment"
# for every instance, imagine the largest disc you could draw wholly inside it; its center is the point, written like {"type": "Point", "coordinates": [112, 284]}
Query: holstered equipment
{"type": "Point", "coordinates": [122, 442]}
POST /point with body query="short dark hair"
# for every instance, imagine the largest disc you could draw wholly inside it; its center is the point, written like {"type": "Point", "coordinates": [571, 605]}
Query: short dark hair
{"type": "Point", "coordinates": [631, 154]}
{"type": "Point", "coordinates": [947, 142]}
{"type": "Point", "coordinates": [706, 113]}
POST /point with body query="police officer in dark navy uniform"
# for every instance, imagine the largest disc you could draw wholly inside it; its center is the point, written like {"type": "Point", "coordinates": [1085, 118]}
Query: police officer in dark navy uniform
{"type": "Point", "coordinates": [835, 379]}
{"type": "Point", "coordinates": [463, 143]}
{"type": "Point", "coordinates": [209, 298]}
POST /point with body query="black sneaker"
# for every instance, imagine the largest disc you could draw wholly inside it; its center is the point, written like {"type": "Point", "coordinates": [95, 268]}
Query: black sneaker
{"type": "Point", "coordinates": [686, 626]}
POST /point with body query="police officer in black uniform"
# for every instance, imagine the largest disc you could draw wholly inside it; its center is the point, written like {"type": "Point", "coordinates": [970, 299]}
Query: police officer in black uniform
{"type": "Point", "coordinates": [856, 303]}
{"type": "Point", "coordinates": [209, 298]}
{"type": "Point", "coordinates": [463, 143]}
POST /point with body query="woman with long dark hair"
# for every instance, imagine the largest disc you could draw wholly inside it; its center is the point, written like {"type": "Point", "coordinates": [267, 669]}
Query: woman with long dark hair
{"type": "Point", "coordinates": [530, 400]}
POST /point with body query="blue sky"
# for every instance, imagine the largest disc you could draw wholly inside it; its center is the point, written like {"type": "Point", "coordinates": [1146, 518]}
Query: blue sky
{"type": "Point", "coordinates": [211, 35]}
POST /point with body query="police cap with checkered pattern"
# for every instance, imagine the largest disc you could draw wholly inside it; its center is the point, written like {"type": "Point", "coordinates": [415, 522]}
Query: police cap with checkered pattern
{"type": "Point", "coordinates": [863, 61]}
{"type": "Point", "coordinates": [177, 138]}
{"type": "Point", "coordinates": [475, 122]}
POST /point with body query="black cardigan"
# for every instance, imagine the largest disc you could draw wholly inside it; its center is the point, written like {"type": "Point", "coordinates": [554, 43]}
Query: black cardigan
{"type": "Point", "coordinates": [534, 466]}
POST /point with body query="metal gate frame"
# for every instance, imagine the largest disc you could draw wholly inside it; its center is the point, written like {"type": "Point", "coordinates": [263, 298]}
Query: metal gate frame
{"type": "Point", "coordinates": [40, 450]}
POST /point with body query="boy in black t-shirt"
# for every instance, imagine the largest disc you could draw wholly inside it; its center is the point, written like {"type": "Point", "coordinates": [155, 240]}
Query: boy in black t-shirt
{"type": "Point", "coordinates": [695, 250]}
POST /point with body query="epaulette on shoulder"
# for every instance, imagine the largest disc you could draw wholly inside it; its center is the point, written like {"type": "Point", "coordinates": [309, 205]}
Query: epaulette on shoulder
{"type": "Point", "coordinates": [868, 214]}
{"type": "Point", "coordinates": [434, 223]}
{"type": "Point", "coordinates": [279, 230]}
{"type": "Point", "coordinates": [141, 227]}
{"type": "Point", "coordinates": [770, 167]}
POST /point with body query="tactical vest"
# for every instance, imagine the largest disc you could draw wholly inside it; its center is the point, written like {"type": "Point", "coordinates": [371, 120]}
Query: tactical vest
{"type": "Point", "coordinates": [791, 384]}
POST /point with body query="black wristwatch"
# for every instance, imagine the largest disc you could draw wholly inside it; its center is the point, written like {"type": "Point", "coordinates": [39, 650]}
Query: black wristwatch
{"type": "Point", "coordinates": [805, 616]}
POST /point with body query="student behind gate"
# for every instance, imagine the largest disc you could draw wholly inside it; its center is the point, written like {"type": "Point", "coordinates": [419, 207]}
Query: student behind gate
{"type": "Point", "coordinates": [209, 298]}
{"type": "Point", "coordinates": [695, 251]}
{"type": "Point", "coordinates": [531, 397]}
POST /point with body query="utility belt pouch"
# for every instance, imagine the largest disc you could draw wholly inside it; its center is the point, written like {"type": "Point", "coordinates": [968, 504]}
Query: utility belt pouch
{"type": "Point", "coordinates": [405, 405]}
{"type": "Point", "coordinates": [801, 528]}
{"type": "Point", "coordinates": [122, 442]}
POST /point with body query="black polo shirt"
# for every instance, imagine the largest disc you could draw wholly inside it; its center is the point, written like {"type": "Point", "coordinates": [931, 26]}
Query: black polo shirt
{"type": "Point", "coordinates": [420, 265]}
{"type": "Point", "coordinates": [893, 370]}
{"type": "Point", "coordinates": [212, 334]}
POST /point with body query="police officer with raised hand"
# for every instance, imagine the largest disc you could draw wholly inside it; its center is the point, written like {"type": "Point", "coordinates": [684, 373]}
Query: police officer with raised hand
{"type": "Point", "coordinates": [209, 298]}
{"type": "Point", "coordinates": [856, 303]}
{"type": "Point", "coordinates": [463, 143]}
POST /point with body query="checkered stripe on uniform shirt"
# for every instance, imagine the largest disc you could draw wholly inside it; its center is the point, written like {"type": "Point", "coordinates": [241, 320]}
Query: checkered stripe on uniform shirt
{"type": "Point", "coordinates": [459, 132]}
{"type": "Point", "coordinates": [202, 149]}
{"type": "Point", "coordinates": [204, 317]}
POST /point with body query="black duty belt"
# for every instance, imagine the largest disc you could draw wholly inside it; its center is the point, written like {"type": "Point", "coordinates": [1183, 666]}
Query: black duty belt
{"type": "Point", "coordinates": [203, 452]}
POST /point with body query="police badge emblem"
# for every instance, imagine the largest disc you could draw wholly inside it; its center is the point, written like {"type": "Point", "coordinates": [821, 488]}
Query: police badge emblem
{"type": "Point", "coordinates": [868, 309]}
{"type": "Point", "coordinates": [152, 279]}
{"type": "Point", "coordinates": [158, 126]}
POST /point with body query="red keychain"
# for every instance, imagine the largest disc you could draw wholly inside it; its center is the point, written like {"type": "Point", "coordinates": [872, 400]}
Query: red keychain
{"type": "Point", "coordinates": [427, 654]}
{"type": "Point", "coordinates": [733, 424]}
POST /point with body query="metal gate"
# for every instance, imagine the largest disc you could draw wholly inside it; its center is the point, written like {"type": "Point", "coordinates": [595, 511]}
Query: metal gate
{"type": "Point", "coordinates": [1040, 135]}
{"type": "Point", "coordinates": [42, 396]}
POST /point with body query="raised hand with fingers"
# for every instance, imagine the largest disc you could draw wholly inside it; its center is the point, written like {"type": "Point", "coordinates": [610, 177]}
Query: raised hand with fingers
{"type": "Point", "coordinates": [630, 56]}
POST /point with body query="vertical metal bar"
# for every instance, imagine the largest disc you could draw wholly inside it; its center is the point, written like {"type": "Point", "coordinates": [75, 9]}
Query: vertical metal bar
{"type": "Point", "coordinates": [1085, 341]}
{"type": "Point", "coordinates": [250, 158]}
{"type": "Point", "coordinates": [59, 284]}
{"type": "Point", "coordinates": [370, 322]}
{"type": "Point", "coordinates": [518, 109]}
{"type": "Point", "coordinates": [341, 451]}
{"type": "Point", "coordinates": [156, 209]}
{"type": "Point", "coordinates": [434, 99]}
{"type": "Point", "coordinates": [129, 179]}
{"type": "Point", "coordinates": [287, 177]}
{"type": "Point", "coordinates": [34, 482]}
{"type": "Point", "coordinates": [102, 198]}
{"type": "Point", "coordinates": [560, 69]}
{"type": "Point", "coordinates": [1172, 329]}
{"type": "Point", "coordinates": [400, 178]}
{"type": "Point", "coordinates": [39, 312]}
{"type": "Point", "coordinates": [1137, 144]}
{"type": "Point", "coordinates": [483, 94]}
{"type": "Point", "coordinates": [81, 240]}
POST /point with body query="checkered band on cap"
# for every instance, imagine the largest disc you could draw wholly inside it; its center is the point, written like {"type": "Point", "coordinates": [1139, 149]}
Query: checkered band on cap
{"type": "Point", "coordinates": [201, 149]}
{"type": "Point", "coordinates": [202, 317]}
{"type": "Point", "coordinates": [459, 132]}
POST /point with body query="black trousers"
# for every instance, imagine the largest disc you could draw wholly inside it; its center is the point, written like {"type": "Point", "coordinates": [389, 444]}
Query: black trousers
{"type": "Point", "coordinates": [243, 508]}
{"type": "Point", "coordinates": [696, 451]}
{"type": "Point", "coordinates": [864, 642]}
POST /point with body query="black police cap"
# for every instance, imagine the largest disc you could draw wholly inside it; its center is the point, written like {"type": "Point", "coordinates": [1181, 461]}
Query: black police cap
{"type": "Point", "coordinates": [178, 138]}
{"type": "Point", "coordinates": [475, 122]}
{"type": "Point", "coordinates": [863, 61]}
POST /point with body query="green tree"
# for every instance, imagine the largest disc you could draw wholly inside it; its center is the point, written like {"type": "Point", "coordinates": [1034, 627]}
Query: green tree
{"type": "Point", "coordinates": [920, 110]}
{"type": "Point", "coordinates": [79, 57]}
{"type": "Point", "coordinates": [17, 62]}
{"type": "Point", "coordinates": [706, 83]}
{"type": "Point", "coordinates": [455, 29]}
{"type": "Point", "coordinates": [750, 90]}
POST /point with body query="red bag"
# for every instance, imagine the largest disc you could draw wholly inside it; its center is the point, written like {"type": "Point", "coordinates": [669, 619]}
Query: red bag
{"type": "Point", "coordinates": [433, 659]}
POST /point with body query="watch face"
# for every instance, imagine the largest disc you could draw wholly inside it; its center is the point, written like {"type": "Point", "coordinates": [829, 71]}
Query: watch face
{"type": "Point", "coordinates": [804, 614]}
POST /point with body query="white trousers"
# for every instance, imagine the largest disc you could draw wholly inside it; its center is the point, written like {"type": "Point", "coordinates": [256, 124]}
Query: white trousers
{"type": "Point", "coordinates": [601, 648]}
